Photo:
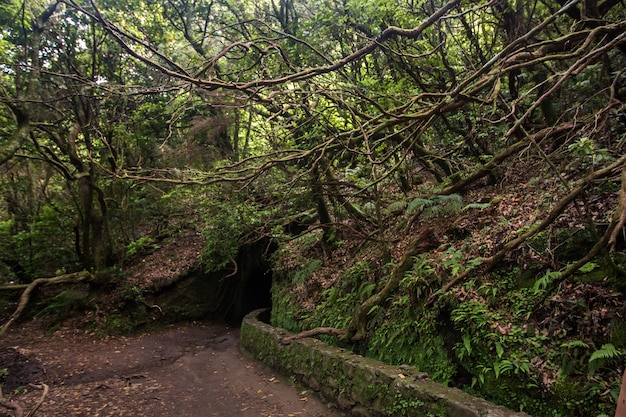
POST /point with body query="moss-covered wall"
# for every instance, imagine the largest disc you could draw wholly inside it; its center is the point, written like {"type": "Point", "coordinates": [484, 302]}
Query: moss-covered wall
{"type": "Point", "coordinates": [363, 386]}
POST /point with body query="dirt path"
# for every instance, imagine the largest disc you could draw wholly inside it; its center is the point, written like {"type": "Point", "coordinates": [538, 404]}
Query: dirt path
{"type": "Point", "coordinates": [191, 370]}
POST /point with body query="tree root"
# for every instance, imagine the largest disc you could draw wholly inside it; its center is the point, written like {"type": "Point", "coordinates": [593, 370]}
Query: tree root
{"type": "Point", "coordinates": [18, 410]}
{"type": "Point", "coordinates": [332, 331]}
{"type": "Point", "coordinates": [29, 288]}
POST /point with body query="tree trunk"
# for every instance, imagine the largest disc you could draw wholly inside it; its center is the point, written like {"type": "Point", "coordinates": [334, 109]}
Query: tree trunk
{"type": "Point", "coordinates": [17, 138]}
{"type": "Point", "coordinates": [321, 207]}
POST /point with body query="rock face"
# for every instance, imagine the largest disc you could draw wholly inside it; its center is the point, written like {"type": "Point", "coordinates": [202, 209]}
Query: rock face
{"type": "Point", "coordinates": [228, 294]}
{"type": "Point", "coordinates": [364, 386]}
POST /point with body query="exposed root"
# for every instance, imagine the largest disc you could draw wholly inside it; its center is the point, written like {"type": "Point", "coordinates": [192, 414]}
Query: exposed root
{"type": "Point", "coordinates": [18, 410]}
{"type": "Point", "coordinates": [332, 331]}
{"type": "Point", "coordinates": [45, 390]}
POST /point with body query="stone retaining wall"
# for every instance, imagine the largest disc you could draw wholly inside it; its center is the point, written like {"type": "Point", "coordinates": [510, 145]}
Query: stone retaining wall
{"type": "Point", "coordinates": [363, 386]}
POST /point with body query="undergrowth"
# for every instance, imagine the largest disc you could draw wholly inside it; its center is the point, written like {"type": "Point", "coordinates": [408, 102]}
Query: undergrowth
{"type": "Point", "coordinates": [514, 340]}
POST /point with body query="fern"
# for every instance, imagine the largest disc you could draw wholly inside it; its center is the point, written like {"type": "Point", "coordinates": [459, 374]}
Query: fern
{"type": "Point", "coordinates": [477, 206]}
{"type": "Point", "coordinates": [588, 267]}
{"type": "Point", "coordinates": [453, 199]}
{"type": "Point", "coordinates": [417, 204]}
{"type": "Point", "coordinates": [575, 344]}
{"type": "Point", "coordinates": [307, 271]}
{"type": "Point", "coordinates": [603, 357]}
{"type": "Point", "coordinates": [444, 204]}
{"type": "Point", "coordinates": [436, 206]}
{"type": "Point", "coordinates": [369, 209]}
{"type": "Point", "coordinates": [366, 290]}
{"type": "Point", "coordinates": [397, 207]}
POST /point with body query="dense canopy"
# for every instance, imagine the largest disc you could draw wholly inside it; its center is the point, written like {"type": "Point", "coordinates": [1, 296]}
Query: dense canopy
{"type": "Point", "coordinates": [452, 166]}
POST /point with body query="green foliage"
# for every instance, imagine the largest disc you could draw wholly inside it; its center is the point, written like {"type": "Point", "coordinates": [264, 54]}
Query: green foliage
{"type": "Point", "coordinates": [144, 243]}
{"type": "Point", "coordinates": [407, 334]}
{"type": "Point", "coordinates": [46, 245]}
{"type": "Point", "coordinates": [435, 206]}
{"type": "Point", "coordinates": [605, 356]}
{"type": "Point", "coordinates": [115, 324]}
{"type": "Point", "coordinates": [454, 261]}
{"type": "Point", "coordinates": [429, 102]}
{"type": "Point", "coordinates": [301, 275]}
{"type": "Point", "coordinates": [397, 207]}
{"type": "Point", "coordinates": [477, 206]}
{"type": "Point", "coordinates": [285, 314]}
{"type": "Point", "coordinates": [341, 300]}
{"type": "Point", "coordinates": [544, 282]}
{"type": "Point", "coordinates": [587, 153]}
{"type": "Point", "coordinates": [6, 274]}
{"type": "Point", "coordinates": [63, 305]}
{"type": "Point", "coordinates": [403, 407]}
{"type": "Point", "coordinates": [226, 222]}
{"type": "Point", "coordinates": [515, 363]}
{"type": "Point", "coordinates": [4, 373]}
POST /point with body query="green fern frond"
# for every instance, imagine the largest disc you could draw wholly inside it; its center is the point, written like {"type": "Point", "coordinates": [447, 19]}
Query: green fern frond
{"type": "Point", "coordinates": [436, 206]}
{"type": "Point", "coordinates": [369, 209]}
{"type": "Point", "coordinates": [444, 204]}
{"type": "Point", "coordinates": [454, 199]}
{"type": "Point", "coordinates": [575, 344]}
{"type": "Point", "coordinates": [418, 203]}
{"type": "Point", "coordinates": [602, 357]}
{"type": "Point", "coordinates": [607, 351]}
{"type": "Point", "coordinates": [477, 206]}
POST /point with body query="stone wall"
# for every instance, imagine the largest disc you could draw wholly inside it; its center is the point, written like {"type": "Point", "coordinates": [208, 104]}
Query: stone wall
{"type": "Point", "coordinates": [363, 386]}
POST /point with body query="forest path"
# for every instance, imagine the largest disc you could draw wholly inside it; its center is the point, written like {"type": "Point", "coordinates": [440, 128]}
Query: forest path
{"type": "Point", "coordinates": [194, 370]}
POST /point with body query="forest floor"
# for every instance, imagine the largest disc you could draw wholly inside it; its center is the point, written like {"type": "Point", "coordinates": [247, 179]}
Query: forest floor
{"type": "Point", "coordinates": [193, 369]}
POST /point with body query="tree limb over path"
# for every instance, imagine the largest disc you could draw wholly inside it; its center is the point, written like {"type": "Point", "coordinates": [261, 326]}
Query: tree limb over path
{"type": "Point", "coordinates": [73, 278]}
{"type": "Point", "coordinates": [332, 331]}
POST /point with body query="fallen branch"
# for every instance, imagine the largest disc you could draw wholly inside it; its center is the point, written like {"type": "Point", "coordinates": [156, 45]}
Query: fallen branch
{"type": "Point", "coordinates": [332, 331]}
{"type": "Point", "coordinates": [155, 306]}
{"type": "Point", "coordinates": [25, 297]}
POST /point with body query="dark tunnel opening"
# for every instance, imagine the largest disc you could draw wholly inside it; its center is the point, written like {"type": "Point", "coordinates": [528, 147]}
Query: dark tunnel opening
{"type": "Point", "coordinates": [253, 289]}
{"type": "Point", "coordinates": [226, 295]}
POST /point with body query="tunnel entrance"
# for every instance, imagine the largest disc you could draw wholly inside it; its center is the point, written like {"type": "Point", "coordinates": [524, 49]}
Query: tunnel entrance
{"type": "Point", "coordinates": [253, 286]}
{"type": "Point", "coordinates": [225, 295]}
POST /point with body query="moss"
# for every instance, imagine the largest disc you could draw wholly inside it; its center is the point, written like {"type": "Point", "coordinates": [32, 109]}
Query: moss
{"type": "Point", "coordinates": [115, 324]}
{"type": "Point", "coordinates": [374, 388]}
